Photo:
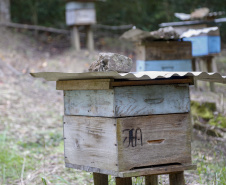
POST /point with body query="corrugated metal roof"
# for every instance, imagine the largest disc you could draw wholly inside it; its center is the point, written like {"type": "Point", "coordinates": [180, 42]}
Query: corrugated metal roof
{"type": "Point", "coordinates": [146, 75]}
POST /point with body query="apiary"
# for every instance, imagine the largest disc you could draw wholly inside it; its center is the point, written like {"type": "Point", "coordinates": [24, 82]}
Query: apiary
{"type": "Point", "coordinates": [128, 124]}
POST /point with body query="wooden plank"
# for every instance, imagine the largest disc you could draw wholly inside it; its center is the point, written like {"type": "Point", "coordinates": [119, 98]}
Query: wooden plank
{"type": "Point", "coordinates": [168, 50]}
{"type": "Point", "coordinates": [100, 179]}
{"type": "Point", "coordinates": [152, 99]}
{"type": "Point", "coordinates": [153, 82]}
{"type": "Point", "coordinates": [128, 101]}
{"type": "Point", "coordinates": [153, 140]}
{"type": "Point", "coordinates": [140, 52]}
{"type": "Point", "coordinates": [91, 141]}
{"type": "Point", "coordinates": [155, 170]}
{"type": "Point", "coordinates": [96, 84]}
{"type": "Point", "coordinates": [123, 181]}
{"type": "Point", "coordinates": [89, 103]}
{"type": "Point", "coordinates": [177, 178]}
{"type": "Point", "coordinates": [151, 180]}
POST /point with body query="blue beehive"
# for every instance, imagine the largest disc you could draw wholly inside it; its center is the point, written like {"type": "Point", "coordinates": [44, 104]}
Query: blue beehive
{"type": "Point", "coordinates": [164, 56]}
{"type": "Point", "coordinates": [205, 45]}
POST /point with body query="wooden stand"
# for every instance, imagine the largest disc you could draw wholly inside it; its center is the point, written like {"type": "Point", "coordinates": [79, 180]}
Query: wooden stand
{"type": "Point", "coordinates": [75, 38]}
{"type": "Point", "coordinates": [208, 64]}
{"type": "Point", "coordinates": [176, 175]}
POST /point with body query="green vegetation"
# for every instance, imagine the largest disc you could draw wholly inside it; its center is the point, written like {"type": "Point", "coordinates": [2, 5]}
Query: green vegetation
{"type": "Point", "coordinates": [211, 165]}
{"type": "Point", "coordinates": [144, 14]}
{"type": "Point", "coordinates": [11, 162]}
{"type": "Point", "coordinates": [204, 112]}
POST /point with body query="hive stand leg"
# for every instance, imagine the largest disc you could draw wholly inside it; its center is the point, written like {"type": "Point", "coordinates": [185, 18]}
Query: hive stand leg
{"type": "Point", "coordinates": [75, 39]}
{"type": "Point", "coordinates": [210, 69]}
{"type": "Point", "coordinates": [123, 181]}
{"type": "Point", "coordinates": [194, 68]}
{"type": "Point", "coordinates": [151, 180]}
{"type": "Point", "coordinates": [177, 178]}
{"type": "Point", "coordinates": [89, 38]}
{"type": "Point", "coordinates": [100, 179]}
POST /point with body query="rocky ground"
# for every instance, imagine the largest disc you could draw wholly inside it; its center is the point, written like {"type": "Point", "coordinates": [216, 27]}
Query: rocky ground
{"type": "Point", "coordinates": [31, 144]}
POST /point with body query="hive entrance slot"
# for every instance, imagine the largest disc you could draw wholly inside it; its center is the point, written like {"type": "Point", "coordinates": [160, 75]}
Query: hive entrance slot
{"type": "Point", "coordinates": [155, 166]}
{"type": "Point", "coordinates": [158, 141]}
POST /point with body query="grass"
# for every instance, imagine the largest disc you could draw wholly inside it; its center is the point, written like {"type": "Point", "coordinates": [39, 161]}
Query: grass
{"type": "Point", "coordinates": [211, 168]}
{"type": "Point", "coordinates": [11, 162]}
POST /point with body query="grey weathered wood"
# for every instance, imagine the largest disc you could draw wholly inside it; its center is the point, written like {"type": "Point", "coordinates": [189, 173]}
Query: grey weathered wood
{"type": "Point", "coordinates": [155, 170]}
{"type": "Point", "coordinates": [90, 141]}
{"type": "Point", "coordinates": [140, 52]}
{"type": "Point", "coordinates": [177, 178]}
{"type": "Point", "coordinates": [89, 103]}
{"type": "Point", "coordinates": [123, 181]}
{"type": "Point", "coordinates": [75, 39]}
{"type": "Point", "coordinates": [209, 61]}
{"type": "Point", "coordinates": [100, 179]}
{"type": "Point", "coordinates": [166, 50]}
{"type": "Point", "coordinates": [122, 144]}
{"type": "Point", "coordinates": [128, 101]}
{"type": "Point", "coordinates": [156, 139]}
{"type": "Point", "coordinates": [151, 180]}
{"type": "Point", "coordinates": [89, 38]}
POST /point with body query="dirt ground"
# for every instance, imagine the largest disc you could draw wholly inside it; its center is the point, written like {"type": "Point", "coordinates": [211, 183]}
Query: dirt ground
{"type": "Point", "coordinates": [31, 114]}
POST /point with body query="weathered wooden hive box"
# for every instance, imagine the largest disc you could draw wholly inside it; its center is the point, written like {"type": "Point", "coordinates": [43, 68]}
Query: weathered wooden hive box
{"type": "Point", "coordinates": [202, 44]}
{"type": "Point", "coordinates": [80, 13]}
{"type": "Point", "coordinates": [127, 124]}
{"type": "Point", "coordinates": [164, 56]}
{"type": "Point", "coordinates": [205, 44]}
{"type": "Point", "coordinates": [123, 125]}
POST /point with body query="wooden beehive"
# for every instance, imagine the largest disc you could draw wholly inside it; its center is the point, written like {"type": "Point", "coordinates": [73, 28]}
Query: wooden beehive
{"type": "Point", "coordinates": [80, 13]}
{"type": "Point", "coordinates": [204, 44]}
{"type": "Point", "coordinates": [116, 126]}
{"type": "Point", "coordinates": [164, 56]}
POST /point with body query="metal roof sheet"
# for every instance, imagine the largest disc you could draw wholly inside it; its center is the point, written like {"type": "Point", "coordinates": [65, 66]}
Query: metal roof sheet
{"type": "Point", "coordinates": [146, 75]}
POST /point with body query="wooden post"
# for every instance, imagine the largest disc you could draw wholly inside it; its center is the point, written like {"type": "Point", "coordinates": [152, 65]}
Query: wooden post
{"type": "Point", "coordinates": [75, 39]}
{"type": "Point", "coordinates": [123, 181]}
{"type": "Point", "coordinates": [177, 178]}
{"type": "Point", "coordinates": [209, 61]}
{"type": "Point", "coordinates": [100, 179]}
{"type": "Point", "coordinates": [151, 180]}
{"type": "Point", "coordinates": [194, 68]}
{"type": "Point", "coordinates": [89, 38]}
{"type": "Point", "coordinates": [5, 11]}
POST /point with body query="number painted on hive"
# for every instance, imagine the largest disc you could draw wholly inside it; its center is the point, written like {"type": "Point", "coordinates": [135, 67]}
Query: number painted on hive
{"type": "Point", "coordinates": [132, 137]}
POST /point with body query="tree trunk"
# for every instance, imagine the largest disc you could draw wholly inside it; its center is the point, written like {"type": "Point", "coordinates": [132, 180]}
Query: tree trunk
{"type": "Point", "coordinates": [5, 11]}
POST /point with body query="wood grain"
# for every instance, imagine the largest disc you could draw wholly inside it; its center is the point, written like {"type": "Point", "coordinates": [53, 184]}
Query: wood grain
{"type": "Point", "coordinates": [137, 136]}
{"type": "Point", "coordinates": [96, 84]}
{"type": "Point", "coordinates": [100, 179]}
{"type": "Point", "coordinates": [123, 181]}
{"type": "Point", "coordinates": [177, 178]}
{"type": "Point", "coordinates": [89, 103]}
{"type": "Point", "coordinates": [128, 101]}
{"type": "Point", "coordinates": [168, 50]}
{"type": "Point", "coordinates": [90, 141]}
{"type": "Point", "coordinates": [151, 180]}
{"type": "Point", "coordinates": [140, 52]}
{"type": "Point", "coordinates": [155, 170]}
{"type": "Point", "coordinates": [152, 99]}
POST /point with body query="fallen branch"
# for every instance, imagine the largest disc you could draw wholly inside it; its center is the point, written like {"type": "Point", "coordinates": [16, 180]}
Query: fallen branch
{"type": "Point", "coordinates": [35, 27]}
